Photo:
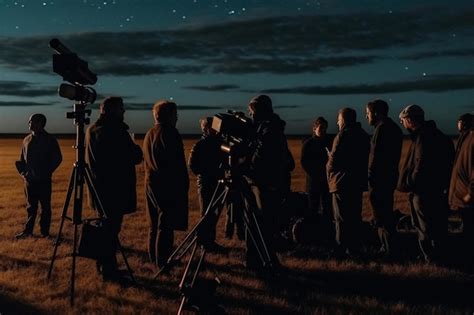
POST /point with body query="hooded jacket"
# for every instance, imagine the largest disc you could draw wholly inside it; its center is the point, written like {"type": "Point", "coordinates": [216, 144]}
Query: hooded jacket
{"type": "Point", "coordinates": [348, 160]}
{"type": "Point", "coordinates": [427, 166]}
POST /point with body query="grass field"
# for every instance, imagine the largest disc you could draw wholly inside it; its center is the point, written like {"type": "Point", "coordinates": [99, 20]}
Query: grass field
{"type": "Point", "coordinates": [309, 285]}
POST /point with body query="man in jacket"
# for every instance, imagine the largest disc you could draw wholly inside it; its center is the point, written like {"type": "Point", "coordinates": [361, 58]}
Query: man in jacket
{"type": "Point", "coordinates": [464, 126]}
{"type": "Point", "coordinates": [268, 172]}
{"type": "Point", "coordinates": [206, 162]}
{"type": "Point", "coordinates": [425, 176]}
{"type": "Point", "coordinates": [347, 177]}
{"type": "Point", "coordinates": [461, 193]}
{"type": "Point", "coordinates": [384, 159]}
{"type": "Point", "coordinates": [314, 157]}
{"type": "Point", "coordinates": [112, 156]}
{"type": "Point", "coordinates": [166, 182]}
{"type": "Point", "coordinates": [40, 156]}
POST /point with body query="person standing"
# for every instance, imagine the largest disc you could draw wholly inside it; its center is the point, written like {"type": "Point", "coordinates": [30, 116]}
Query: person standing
{"type": "Point", "coordinates": [461, 192]}
{"type": "Point", "coordinates": [112, 156]}
{"type": "Point", "coordinates": [206, 162]}
{"type": "Point", "coordinates": [464, 126]}
{"type": "Point", "coordinates": [166, 182]}
{"type": "Point", "coordinates": [40, 156]}
{"type": "Point", "coordinates": [314, 157]}
{"type": "Point", "coordinates": [384, 159]}
{"type": "Point", "coordinates": [347, 177]}
{"type": "Point", "coordinates": [425, 175]}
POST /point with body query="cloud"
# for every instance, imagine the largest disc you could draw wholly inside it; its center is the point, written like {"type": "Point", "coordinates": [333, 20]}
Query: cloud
{"type": "Point", "coordinates": [287, 106]}
{"type": "Point", "coordinates": [149, 106]}
{"type": "Point", "coordinates": [213, 88]}
{"type": "Point", "coordinates": [21, 103]}
{"type": "Point", "coordinates": [436, 83]}
{"type": "Point", "coordinates": [281, 45]}
{"type": "Point", "coordinates": [443, 53]}
{"type": "Point", "coordinates": [25, 89]}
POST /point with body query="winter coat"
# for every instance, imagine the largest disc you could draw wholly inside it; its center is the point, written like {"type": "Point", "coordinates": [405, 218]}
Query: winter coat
{"type": "Point", "coordinates": [348, 160]}
{"type": "Point", "coordinates": [269, 162]}
{"type": "Point", "coordinates": [427, 166]}
{"type": "Point", "coordinates": [385, 151]}
{"type": "Point", "coordinates": [206, 160]}
{"type": "Point", "coordinates": [166, 174]}
{"type": "Point", "coordinates": [112, 156]}
{"type": "Point", "coordinates": [40, 156]}
{"type": "Point", "coordinates": [462, 178]}
{"type": "Point", "coordinates": [314, 157]}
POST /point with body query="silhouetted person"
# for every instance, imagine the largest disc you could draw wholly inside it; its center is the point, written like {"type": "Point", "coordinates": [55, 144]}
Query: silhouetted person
{"type": "Point", "coordinates": [461, 192]}
{"type": "Point", "coordinates": [268, 172]}
{"type": "Point", "coordinates": [425, 176]}
{"type": "Point", "coordinates": [347, 176]}
{"type": "Point", "coordinates": [384, 160]}
{"type": "Point", "coordinates": [40, 156]}
{"type": "Point", "coordinates": [464, 126]}
{"type": "Point", "coordinates": [166, 182]}
{"type": "Point", "coordinates": [206, 162]}
{"type": "Point", "coordinates": [314, 157]}
{"type": "Point", "coordinates": [112, 156]}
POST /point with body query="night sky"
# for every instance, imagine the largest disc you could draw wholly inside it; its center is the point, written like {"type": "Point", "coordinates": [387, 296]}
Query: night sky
{"type": "Point", "coordinates": [311, 57]}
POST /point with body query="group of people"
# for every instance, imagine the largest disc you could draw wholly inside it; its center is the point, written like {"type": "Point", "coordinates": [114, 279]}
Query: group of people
{"type": "Point", "coordinates": [338, 172]}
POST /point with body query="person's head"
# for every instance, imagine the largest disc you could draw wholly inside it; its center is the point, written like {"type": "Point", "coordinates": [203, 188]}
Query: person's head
{"type": "Point", "coordinates": [375, 111]}
{"type": "Point", "coordinates": [412, 117]}
{"type": "Point", "coordinates": [37, 122]}
{"type": "Point", "coordinates": [346, 116]}
{"type": "Point", "coordinates": [112, 107]}
{"type": "Point", "coordinates": [260, 107]}
{"type": "Point", "coordinates": [165, 112]}
{"type": "Point", "coordinates": [465, 122]}
{"type": "Point", "coordinates": [320, 126]}
{"type": "Point", "coordinates": [206, 124]}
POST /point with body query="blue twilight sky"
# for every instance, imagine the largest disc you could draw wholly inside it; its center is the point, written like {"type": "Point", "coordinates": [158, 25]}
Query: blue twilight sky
{"type": "Point", "coordinates": [311, 57]}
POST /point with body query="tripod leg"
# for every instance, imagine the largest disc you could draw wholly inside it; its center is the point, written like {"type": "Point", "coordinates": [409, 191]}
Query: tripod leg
{"type": "Point", "coordinates": [63, 217]}
{"type": "Point", "coordinates": [73, 270]}
{"type": "Point", "coordinates": [125, 260]}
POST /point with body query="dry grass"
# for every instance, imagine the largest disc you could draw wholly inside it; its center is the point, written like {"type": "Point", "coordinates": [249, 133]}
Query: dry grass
{"type": "Point", "coordinates": [310, 285]}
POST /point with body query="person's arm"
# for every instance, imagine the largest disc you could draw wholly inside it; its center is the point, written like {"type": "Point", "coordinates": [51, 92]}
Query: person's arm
{"type": "Point", "coordinates": [306, 160]}
{"type": "Point", "coordinates": [56, 156]}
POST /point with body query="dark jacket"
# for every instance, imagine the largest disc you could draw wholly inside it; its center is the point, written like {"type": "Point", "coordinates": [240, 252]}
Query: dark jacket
{"type": "Point", "coordinates": [459, 143]}
{"type": "Point", "coordinates": [206, 159]}
{"type": "Point", "coordinates": [314, 157]}
{"type": "Point", "coordinates": [166, 174]}
{"type": "Point", "coordinates": [40, 156]}
{"type": "Point", "coordinates": [384, 158]}
{"type": "Point", "coordinates": [427, 167]}
{"type": "Point", "coordinates": [462, 178]}
{"type": "Point", "coordinates": [269, 160]}
{"type": "Point", "coordinates": [348, 160]}
{"type": "Point", "coordinates": [112, 156]}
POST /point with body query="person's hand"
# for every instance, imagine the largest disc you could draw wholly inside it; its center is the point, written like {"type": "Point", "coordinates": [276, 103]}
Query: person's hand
{"type": "Point", "coordinates": [467, 199]}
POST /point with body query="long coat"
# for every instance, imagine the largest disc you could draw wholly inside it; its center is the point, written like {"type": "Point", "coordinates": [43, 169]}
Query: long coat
{"type": "Point", "coordinates": [166, 175]}
{"type": "Point", "coordinates": [348, 161]}
{"type": "Point", "coordinates": [462, 178]}
{"type": "Point", "coordinates": [314, 156]}
{"type": "Point", "coordinates": [428, 164]}
{"type": "Point", "coordinates": [112, 156]}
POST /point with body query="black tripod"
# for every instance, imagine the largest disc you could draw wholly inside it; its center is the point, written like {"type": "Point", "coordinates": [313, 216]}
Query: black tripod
{"type": "Point", "coordinates": [80, 173]}
{"type": "Point", "coordinates": [228, 190]}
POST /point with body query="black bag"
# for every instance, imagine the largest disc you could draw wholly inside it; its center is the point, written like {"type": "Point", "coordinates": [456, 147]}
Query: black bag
{"type": "Point", "coordinates": [96, 240]}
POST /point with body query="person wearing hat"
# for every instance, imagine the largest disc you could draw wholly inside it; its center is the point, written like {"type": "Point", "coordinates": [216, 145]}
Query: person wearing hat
{"type": "Point", "coordinates": [205, 161]}
{"type": "Point", "coordinates": [384, 159]}
{"type": "Point", "coordinates": [268, 164]}
{"type": "Point", "coordinates": [166, 182]}
{"type": "Point", "coordinates": [112, 156]}
{"type": "Point", "coordinates": [40, 157]}
{"type": "Point", "coordinates": [425, 175]}
{"type": "Point", "coordinates": [347, 178]}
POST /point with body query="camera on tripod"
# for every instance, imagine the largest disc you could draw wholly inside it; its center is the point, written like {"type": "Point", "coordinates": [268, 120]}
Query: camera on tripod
{"type": "Point", "coordinates": [236, 131]}
{"type": "Point", "coordinates": [74, 70]}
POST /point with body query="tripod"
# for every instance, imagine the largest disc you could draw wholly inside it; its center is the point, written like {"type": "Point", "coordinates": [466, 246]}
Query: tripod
{"type": "Point", "coordinates": [81, 172]}
{"type": "Point", "coordinates": [229, 188]}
